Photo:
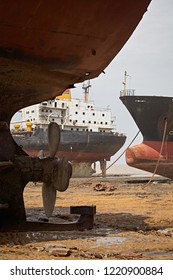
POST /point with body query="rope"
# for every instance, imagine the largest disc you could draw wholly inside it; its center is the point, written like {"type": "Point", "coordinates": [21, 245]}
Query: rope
{"type": "Point", "coordinates": [121, 153]}
{"type": "Point", "coordinates": [157, 164]}
{"type": "Point", "coordinates": [161, 149]}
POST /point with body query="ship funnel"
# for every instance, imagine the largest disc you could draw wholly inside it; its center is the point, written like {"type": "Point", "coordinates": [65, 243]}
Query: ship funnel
{"type": "Point", "coordinates": [65, 96]}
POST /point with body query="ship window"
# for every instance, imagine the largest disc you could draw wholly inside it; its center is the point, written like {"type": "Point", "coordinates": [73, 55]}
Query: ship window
{"type": "Point", "coordinates": [89, 122]}
{"type": "Point", "coordinates": [53, 120]}
{"type": "Point", "coordinates": [42, 110]}
{"type": "Point", "coordinates": [70, 120]}
{"type": "Point", "coordinates": [83, 121]}
{"type": "Point", "coordinates": [50, 111]}
{"type": "Point", "coordinates": [103, 115]}
{"type": "Point", "coordinates": [71, 128]}
{"type": "Point", "coordinates": [88, 106]}
{"type": "Point", "coordinates": [27, 112]}
{"type": "Point", "coordinates": [83, 113]}
{"type": "Point", "coordinates": [55, 104]}
{"type": "Point", "coordinates": [76, 105]}
{"type": "Point", "coordinates": [106, 123]}
{"type": "Point", "coordinates": [63, 105]}
{"type": "Point", "coordinates": [93, 114]}
{"type": "Point", "coordinates": [95, 122]}
{"type": "Point", "coordinates": [90, 129]}
{"type": "Point", "coordinates": [46, 110]}
{"type": "Point", "coordinates": [32, 111]}
{"type": "Point", "coordinates": [83, 129]}
{"type": "Point", "coordinates": [77, 129]}
{"type": "Point", "coordinates": [76, 113]}
{"type": "Point", "coordinates": [87, 129]}
{"type": "Point", "coordinates": [101, 122]}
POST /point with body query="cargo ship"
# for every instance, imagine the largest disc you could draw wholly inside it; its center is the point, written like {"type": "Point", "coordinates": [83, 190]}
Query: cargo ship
{"type": "Point", "coordinates": [154, 117]}
{"type": "Point", "coordinates": [87, 132]}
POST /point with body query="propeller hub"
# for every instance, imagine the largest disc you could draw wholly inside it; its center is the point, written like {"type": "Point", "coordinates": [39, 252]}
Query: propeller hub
{"type": "Point", "coordinates": [61, 174]}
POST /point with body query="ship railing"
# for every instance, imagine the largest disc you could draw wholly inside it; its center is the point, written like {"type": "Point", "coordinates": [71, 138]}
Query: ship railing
{"type": "Point", "coordinates": [108, 109]}
{"type": "Point", "coordinates": [127, 92]}
{"type": "Point", "coordinates": [118, 133]}
{"type": "Point", "coordinates": [61, 107]}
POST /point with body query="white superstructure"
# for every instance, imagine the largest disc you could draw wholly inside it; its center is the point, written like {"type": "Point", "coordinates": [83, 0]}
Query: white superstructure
{"type": "Point", "coordinates": [69, 113]}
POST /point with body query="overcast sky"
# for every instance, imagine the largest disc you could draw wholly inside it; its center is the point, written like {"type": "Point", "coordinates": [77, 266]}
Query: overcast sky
{"type": "Point", "coordinates": [147, 58]}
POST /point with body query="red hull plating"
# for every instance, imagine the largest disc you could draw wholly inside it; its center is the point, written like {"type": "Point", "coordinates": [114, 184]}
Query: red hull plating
{"type": "Point", "coordinates": [147, 155]}
{"type": "Point", "coordinates": [75, 156]}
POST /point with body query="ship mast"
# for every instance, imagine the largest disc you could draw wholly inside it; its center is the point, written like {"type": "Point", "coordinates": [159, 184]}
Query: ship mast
{"type": "Point", "coordinates": [124, 83]}
{"type": "Point", "coordinates": [126, 91]}
{"type": "Point", "coordinates": [86, 91]}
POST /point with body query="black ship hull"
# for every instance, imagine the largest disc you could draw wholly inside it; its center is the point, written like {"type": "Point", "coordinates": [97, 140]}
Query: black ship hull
{"type": "Point", "coordinates": [77, 146]}
{"type": "Point", "coordinates": [154, 117]}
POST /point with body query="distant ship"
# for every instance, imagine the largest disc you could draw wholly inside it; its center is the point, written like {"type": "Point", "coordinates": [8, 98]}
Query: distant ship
{"type": "Point", "coordinates": [154, 117]}
{"type": "Point", "coordinates": [87, 132]}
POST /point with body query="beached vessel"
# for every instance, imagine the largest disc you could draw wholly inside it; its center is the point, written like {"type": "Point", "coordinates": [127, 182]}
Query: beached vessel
{"type": "Point", "coordinates": [154, 118]}
{"type": "Point", "coordinates": [45, 48]}
{"type": "Point", "coordinates": [88, 133]}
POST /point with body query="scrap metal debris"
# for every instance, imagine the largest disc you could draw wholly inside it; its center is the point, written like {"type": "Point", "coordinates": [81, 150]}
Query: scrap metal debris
{"type": "Point", "coordinates": [103, 187]}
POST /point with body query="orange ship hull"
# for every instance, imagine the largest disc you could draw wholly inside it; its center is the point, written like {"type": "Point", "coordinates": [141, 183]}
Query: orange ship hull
{"type": "Point", "coordinates": [146, 156]}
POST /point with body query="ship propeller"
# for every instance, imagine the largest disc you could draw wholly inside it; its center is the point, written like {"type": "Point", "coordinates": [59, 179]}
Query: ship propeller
{"type": "Point", "coordinates": [48, 190]}
{"type": "Point", "coordinates": [57, 172]}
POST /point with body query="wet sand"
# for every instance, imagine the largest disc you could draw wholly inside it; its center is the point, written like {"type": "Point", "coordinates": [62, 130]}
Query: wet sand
{"type": "Point", "coordinates": [133, 221]}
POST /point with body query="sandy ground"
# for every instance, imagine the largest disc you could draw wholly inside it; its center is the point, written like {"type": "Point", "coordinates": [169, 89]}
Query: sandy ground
{"type": "Point", "coordinates": [133, 221]}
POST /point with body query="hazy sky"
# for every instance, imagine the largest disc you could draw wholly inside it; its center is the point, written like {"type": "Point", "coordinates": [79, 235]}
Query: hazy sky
{"type": "Point", "coordinates": [147, 57]}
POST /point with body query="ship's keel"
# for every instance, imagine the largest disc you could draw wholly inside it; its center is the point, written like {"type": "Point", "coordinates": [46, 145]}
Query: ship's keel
{"type": "Point", "coordinates": [87, 169]}
{"type": "Point", "coordinates": [82, 169]}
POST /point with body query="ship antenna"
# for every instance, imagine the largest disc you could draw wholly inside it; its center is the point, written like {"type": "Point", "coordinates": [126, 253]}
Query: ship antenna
{"type": "Point", "coordinates": [86, 87]}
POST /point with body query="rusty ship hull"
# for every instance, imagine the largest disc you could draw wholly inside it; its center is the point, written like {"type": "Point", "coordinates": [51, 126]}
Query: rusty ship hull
{"type": "Point", "coordinates": [47, 47]}
{"type": "Point", "coordinates": [154, 117]}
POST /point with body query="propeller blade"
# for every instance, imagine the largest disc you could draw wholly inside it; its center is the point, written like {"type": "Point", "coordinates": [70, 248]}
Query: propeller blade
{"type": "Point", "coordinates": [49, 199]}
{"type": "Point", "coordinates": [53, 138]}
